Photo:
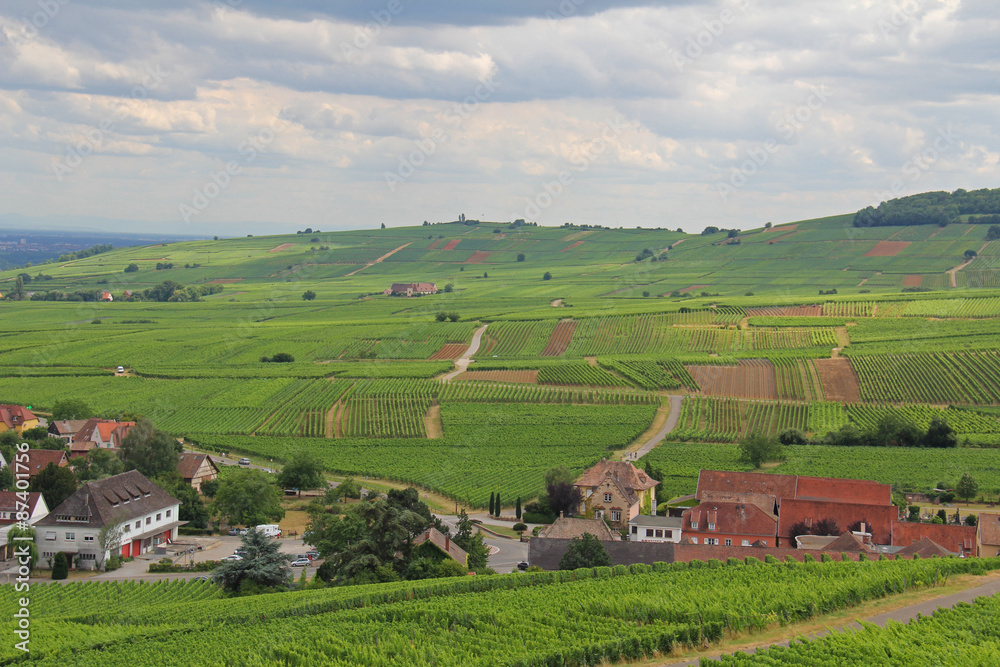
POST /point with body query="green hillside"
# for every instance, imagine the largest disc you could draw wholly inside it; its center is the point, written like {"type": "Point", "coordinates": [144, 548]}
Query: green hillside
{"type": "Point", "coordinates": [792, 326]}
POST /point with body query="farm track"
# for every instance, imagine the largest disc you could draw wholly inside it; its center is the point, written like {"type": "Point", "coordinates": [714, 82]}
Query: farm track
{"type": "Point", "coordinates": [339, 421]}
{"type": "Point", "coordinates": [648, 441]}
{"type": "Point", "coordinates": [953, 278]}
{"type": "Point", "coordinates": [432, 422]}
{"type": "Point", "coordinates": [331, 418]}
{"type": "Point", "coordinates": [462, 363]}
{"type": "Point", "coordinates": [379, 260]}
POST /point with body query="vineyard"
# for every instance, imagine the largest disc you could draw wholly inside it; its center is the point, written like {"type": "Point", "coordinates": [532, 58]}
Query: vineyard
{"type": "Point", "coordinates": [585, 616]}
{"type": "Point", "coordinates": [941, 378]}
{"type": "Point", "coordinates": [727, 419]}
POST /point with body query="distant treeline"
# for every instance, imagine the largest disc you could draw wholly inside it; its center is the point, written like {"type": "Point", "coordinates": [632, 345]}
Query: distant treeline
{"type": "Point", "coordinates": [166, 291]}
{"type": "Point", "coordinates": [80, 254]}
{"type": "Point", "coordinates": [930, 208]}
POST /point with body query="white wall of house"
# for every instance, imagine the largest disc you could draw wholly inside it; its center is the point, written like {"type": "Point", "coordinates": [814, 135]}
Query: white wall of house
{"type": "Point", "coordinates": [651, 531]}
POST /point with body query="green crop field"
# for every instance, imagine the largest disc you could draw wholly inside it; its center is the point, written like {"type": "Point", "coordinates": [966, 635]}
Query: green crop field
{"type": "Point", "coordinates": [806, 328]}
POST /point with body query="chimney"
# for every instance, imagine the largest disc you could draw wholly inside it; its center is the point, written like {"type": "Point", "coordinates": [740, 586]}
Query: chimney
{"type": "Point", "coordinates": [560, 514]}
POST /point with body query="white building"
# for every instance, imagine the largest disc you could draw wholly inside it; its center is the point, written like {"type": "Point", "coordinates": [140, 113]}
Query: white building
{"type": "Point", "coordinates": [644, 528]}
{"type": "Point", "coordinates": [150, 517]}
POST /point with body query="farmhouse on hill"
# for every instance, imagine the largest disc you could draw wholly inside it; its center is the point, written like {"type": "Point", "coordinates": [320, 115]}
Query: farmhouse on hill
{"type": "Point", "coordinates": [411, 289]}
{"type": "Point", "coordinates": [616, 490]}
{"type": "Point", "coordinates": [195, 469]}
{"type": "Point", "coordinates": [15, 418]}
{"type": "Point", "coordinates": [148, 514]}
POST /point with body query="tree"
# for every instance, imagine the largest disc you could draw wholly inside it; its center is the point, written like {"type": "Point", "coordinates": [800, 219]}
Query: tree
{"type": "Point", "coordinates": [149, 450]}
{"type": "Point", "coordinates": [585, 551]}
{"type": "Point", "coordinates": [98, 464]}
{"type": "Point", "coordinates": [970, 255]}
{"type": "Point", "coordinates": [645, 293]}
{"type": "Point", "coordinates": [757, 448]}
{"type": "Point", "coordinates": [519, 528]}
{"type": "Point", "coordinates": [547, 276]}
{"type": "Point", "coordinates": [193, 509]}
{"type": "Point", "coordinates": [520, 257]}
{"type": "Point", "coordinates": [132, 268]}
{"type": "Point", "coordinates": [497, 506]}
{"type": "Point", "coordinates": [6, 478]}
{"type": "Point", "coordinates": [473, 543]}
{"type": "Point", "coordinates": [60, 566]}
{"type": "Point", "coordinates": [517, 508]}
{"type": "Point", "coordinates": [109, 537]}
{"type": "Point", "coordinates": [792, 436]}
{"type": "Point", "coordinates": [440, 317]}
{"type": "Point", "coordinates": [349, 488]}
{"type": "Point", "coordinates": [563, 498]}
{"type": "Point", "coordinates": [914, 511]}
{"type": "Point", "coordinates": [278, 358]}
{"type": "Point", "coordinates": [71, 408]}
{"type": "Point", "coordinates": [19, 288]}
{"type": "Point", "coordinates": [453, 317]}
{"type": "Point", "coordinates": [263, 565]}
{"type": "Point", "coordinates": [970, 520]}
{"type": "Point", "coordinates": [492, 496]}
{"type": "Point", "coordinates": [383, 226]}
{"type": "Point", "coordinates": [303, 471]}
{"type": "Point", "coordinates": [449, 288]}
{"type": "Point", "coordinates": [941, 514]}
{"type": "Point", "coordinates": [940, 434]}
{"type": "Point", "coordinates": [308, 295]}
{"type": "Point", "coordinates": [55, 484]}
{"type": "Point", "coordinates": [248, 497]}
{"type": "Point", "coordinates": [967, 487]}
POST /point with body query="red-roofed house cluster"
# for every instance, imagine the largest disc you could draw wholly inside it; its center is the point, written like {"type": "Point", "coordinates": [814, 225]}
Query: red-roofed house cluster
{"type": "Point", "coordinates": [746, 509]}
{"type": "Point", "coordinates": [411, 289]}
{"type": "Point", "coordinates": [16, 418]}
{"type": "Point", "coordinates": [83, 435]}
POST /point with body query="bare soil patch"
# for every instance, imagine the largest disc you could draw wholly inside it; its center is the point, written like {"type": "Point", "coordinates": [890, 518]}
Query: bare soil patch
{"type": "Point", "coordinates": [691, 288]}
{"type": "Point", "coordinates": [224, 281]}
{"type": "Point", "coordinates": [432, 422]}
{"type": "Point", "coordinates": [283, 246]}
{"type": "Point", "coordinates": [451, 244]}
{"type": "Point", "coordinates": [750, 378]}
{"type": "Point", "coordinates": [782, 228]}
{"type": "Point", "coordinates": [913, 280]}
{"type": "Point", "coordinates": [478, 257]}
{"type": "Point", "coordinates": [450, 351]}
{"type": "Point", "coordinates": [887, 249]}
{"type": "Point", "coordinates": [556, 303]}
{"type": "Point", "coordinates": [571, 246]}
{"type": "Point", "coordinates": [523, 377]}
{"type": "Point", "coordinates": [560, 338]}
{"type": "Point", "coordinates": [840, 382]}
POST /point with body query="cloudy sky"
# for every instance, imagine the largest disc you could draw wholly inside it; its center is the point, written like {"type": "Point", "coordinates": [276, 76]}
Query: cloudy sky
{"type": "Point", "coordinates": [250, 116]}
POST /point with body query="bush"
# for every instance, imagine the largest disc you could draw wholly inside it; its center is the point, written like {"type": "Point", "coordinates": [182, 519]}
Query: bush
{"type": "Point", "coordinates": [279, 358]}
{"type": "Point", "coordinates": [547, 276]}
{"type": "Point", "coordinates": [60, 566]}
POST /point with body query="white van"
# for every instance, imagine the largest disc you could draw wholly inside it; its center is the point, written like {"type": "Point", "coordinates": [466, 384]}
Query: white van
{"type": "Point", "coordinates": [269, 529]}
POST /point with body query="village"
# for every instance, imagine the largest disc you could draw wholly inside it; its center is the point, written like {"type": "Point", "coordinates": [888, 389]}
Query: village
{"type": "Point", "coordinates": [730, 515]}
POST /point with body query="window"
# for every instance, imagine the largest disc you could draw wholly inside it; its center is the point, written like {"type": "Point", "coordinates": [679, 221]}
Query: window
{"type": "Point", "coordinates": [649, 532]}
{"type": "Point", "coordinates": [88, 556]}
{"type": "Point", "coordinates": [168, 513]}
{"type": "Point", "coordinates": [616, 515]}
{"type": "Point", "coordinates": [70, 536]}
{"type": "Point", "coordinates": [159, 516]}
{"type": "Point", "coordinates": [607, 497]}
{"type": "Point", "coordinates": [694, 540]}
{"type": "Point", "coordinates": [669, 534]}
{"type": "Point", "coordinates": [50, 535]}
{"type": "Point", "coordinates": [88, 538]}
{"type": "Point", "coordinates": [694, 524]}
{"type": "Point", "coordinates": [711, 540]}
{"type": "Point", "coordinates": [729, 543]}
{"type": "Point", "coordinates": [128, 528]}
{"type": "Point", "coordinates": [746, 543]}
{"type": "Point", "coordinates": [711, 526]}
{"type": "Point", "coordinates": [149, 520]}
{"type": "Point", "coordinates": [138, 524]}
{"type": "Point", "coordinates": [764, 542]}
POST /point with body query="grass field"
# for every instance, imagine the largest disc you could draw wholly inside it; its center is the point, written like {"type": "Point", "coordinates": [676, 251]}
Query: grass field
{"type": "Point", "coordinates": [568, 368]}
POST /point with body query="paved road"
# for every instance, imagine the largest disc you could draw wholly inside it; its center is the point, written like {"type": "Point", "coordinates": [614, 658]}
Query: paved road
{"type": "Point", "coordinates": [668, 426]}
{"type": "Point", "coordinates": [462, 363]}
{"type": "Point", "coordinates": [901, 615]}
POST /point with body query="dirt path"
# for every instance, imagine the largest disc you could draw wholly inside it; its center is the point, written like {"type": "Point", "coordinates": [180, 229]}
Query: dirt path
{"type": "Point", "coordinates": [462, 363]}
{"type": "Point", "coordinates": [842, 337]}
{"type": "Point", "coordinates": [432, 422]}
{"type": "Point", "coordinates": [951, 272]}
{"type": "Point", "coordinates": [556, 303]}
{"type": "Point", "coordinates": [331, 416]}
{"type": "Point", "coordinates": [671, 422]}
{"type": "Point", "coordinates": [338, 423]}
{"type": "Point", "coordinates": [379, 260]}
{"type": "Point", "coordinates": [900, 615]}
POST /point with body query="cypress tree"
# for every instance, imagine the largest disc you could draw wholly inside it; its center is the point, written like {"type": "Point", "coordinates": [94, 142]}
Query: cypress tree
{"type": "Point", "coordinates": [491, 502]}
{"type": "Point", "coordinates": [60, 566]}
{"type": "Point", "coordinates": [497, 513]}
{"type": "Point", "coordinates": [517, 508]}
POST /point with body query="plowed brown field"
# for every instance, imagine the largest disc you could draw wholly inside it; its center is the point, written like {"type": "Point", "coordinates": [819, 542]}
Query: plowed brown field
{"type": "Point", "coordinates": [478, 257]}
{"type": "Point", "coordinates": [840, 382]}
{"type": "Point", "coordinates": [751, 378]}
{"type": "Point", "coordinates": [560, 338]}
{"type": "Point", "coordinates": [786, 311]}
{"type": "Point", "coordinates": [450, 351]}
{"type": "Point", "coordinates": [283, 246]}
{"type": "Point", "coordinates": [887, 249]}
{"type": "Point", "coordinates": [525, 377]}
{"type": "Point", "coordinates": [451, 244]}
{"type": "Point", "coordinates": [570, 247]}
{"type": "Point", "coordinates": [691, 288]}
{"type": "Point", "coordinates": [913, 281]}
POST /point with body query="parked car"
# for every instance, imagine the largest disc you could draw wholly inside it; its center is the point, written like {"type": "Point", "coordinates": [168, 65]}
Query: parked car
{"type": "Point", "coordinates": [237, 531]}
{"type": "Point", "coordinates": [300, 562]}
{"type": "Point", "coordinates": [232, 557]}
{"type": "Point", "coordinates": [523, 565]}
{"type": "Point", "coordinates": [120, 369]}
{"type": "Point", "coordinates": [242, 553]}
{"type": "Point", "coordinates": [244, 462]}
{"type": "Point", "coordinates": [202, 578]}
{"type": "Point", "coordinates": [312, 555]}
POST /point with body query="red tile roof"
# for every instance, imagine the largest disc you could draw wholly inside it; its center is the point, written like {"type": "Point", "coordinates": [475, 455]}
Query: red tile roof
{"type": "Point", "coordinates": [857, 491]}
{"type": "Point", "coordinates": [989, 528]}
{"type": "Point", "coordinates": [848, 542]}
{"type": "Point", "coordinates": [951, 537]}
{"type": "Point", "coordinates": [38, 459]}
{"type": "Point", "coordinates": [766, 503]}
{"type": "Point", "coordinates": [567, 528]}
{"type": "Point", "coordinates": [189, 462]}
{"type": "Point", "coordinates": [779, 486]}
{"type": "Point", "coordinates": [729, 518]}
{"type": "Point", "coordinates": [878, 517]}
{"type": "Point", "coordinates": [925, 548]}
{"type": "Point", "coordinates": [623, 471]}
{"type": "Point", "coordinates": [860, 491]}
{"type": "Point", "coordinates": [14, 416]}
{"type": "Point", "coordinates": [444, 543]}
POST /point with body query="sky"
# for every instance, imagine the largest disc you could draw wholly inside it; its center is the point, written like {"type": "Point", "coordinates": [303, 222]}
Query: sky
{"type": "Point", "coordinates": [250, 116]}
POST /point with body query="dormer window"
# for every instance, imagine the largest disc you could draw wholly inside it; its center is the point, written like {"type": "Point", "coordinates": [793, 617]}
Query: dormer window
{"type": "Point", "coordinates": [711, 526]}
{"type": "Point", "coordinates": [694, 524]}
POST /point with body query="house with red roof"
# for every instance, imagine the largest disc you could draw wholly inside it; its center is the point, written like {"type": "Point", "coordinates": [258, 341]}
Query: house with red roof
{"type": "Point", "coordinates": [617, 491]}
{"type": "Point", "coordinates": [961, 540]}
{"type": "Point", "coordinates": [878, 519]}
{"type": "Point", "coordinates": [441, 544]}
{"type": "Point", "coordinates": [196, 469]}
{"type": "Point", "coordinates": [16, 418]}
{"type": "Point", "coordinates": [38, 460]}
{"type": "Point", "coordinates": [411, 289]}
{"type": "Point", "coordinates": [988, 535]}
{"type": "Point", "coordinates": [103, 433]}
{"type": "Point", "coordinates": [729, 524]}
